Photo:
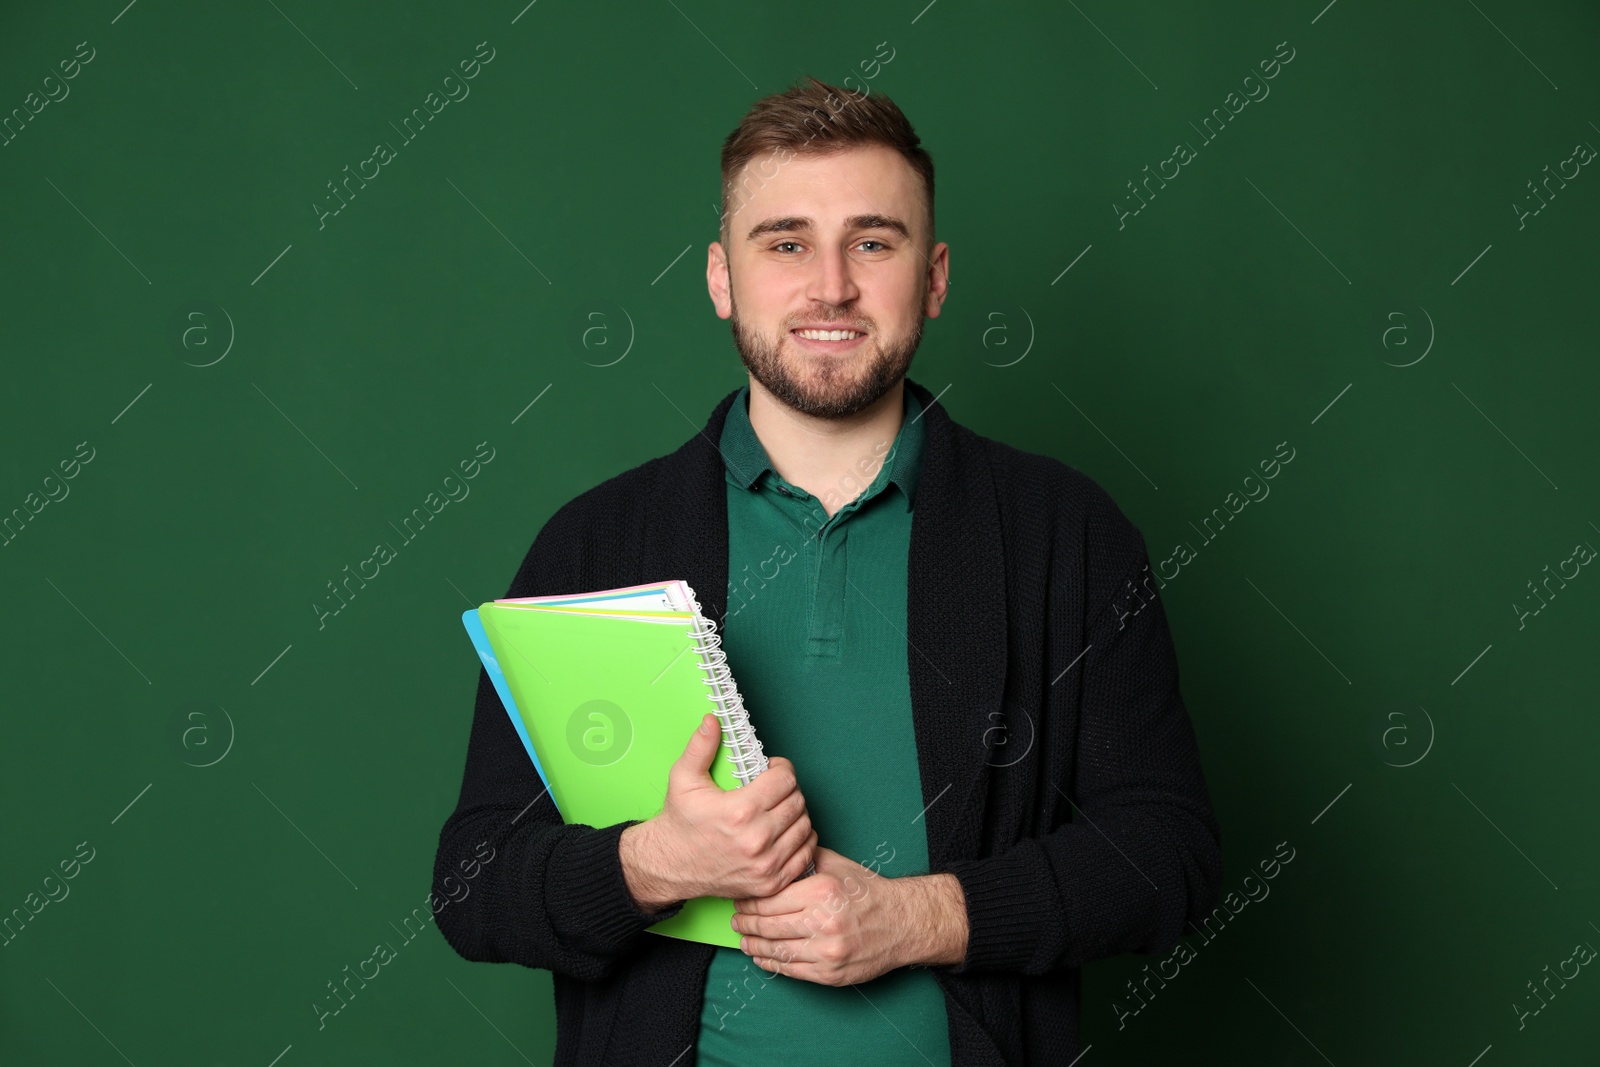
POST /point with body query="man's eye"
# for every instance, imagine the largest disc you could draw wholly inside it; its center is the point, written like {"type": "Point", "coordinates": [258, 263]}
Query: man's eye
{"type": "Point", "coordinates": [874, 241]}
{"type": "Point", "coordinates": [780, 244]}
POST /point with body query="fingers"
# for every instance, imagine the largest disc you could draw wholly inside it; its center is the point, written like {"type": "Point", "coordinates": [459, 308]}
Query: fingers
{"type": "Point", "coordinates": [699, 752]}
{"type": "Point", "coordinates": [774, 902]}
{"type": "Point", "coordinates": [793, 836]}
{"type": "Point", "coordinates": [801, 859]}
{"type": "Point", "coordinates": [774, 783]}
{"type": "Point", "coordinates": [796, 845]}
{"type": "Point", "coordinates": [783, 952]}
{"type": "Point", "coordinates": [788, 810]}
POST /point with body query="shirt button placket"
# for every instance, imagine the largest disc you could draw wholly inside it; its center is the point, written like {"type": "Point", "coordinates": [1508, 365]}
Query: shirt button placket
{"type": "Point", "coordinates": [827, 591]}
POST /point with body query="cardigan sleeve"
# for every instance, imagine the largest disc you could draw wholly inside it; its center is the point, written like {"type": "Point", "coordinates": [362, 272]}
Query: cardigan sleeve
{"type": "Point", "coordinates": [550, 895]}
{"type": "Point", "coordinates": [1140, 858]}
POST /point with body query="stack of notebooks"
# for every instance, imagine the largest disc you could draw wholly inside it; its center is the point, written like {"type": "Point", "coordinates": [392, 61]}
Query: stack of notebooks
{"type": "Point", "coordinates": [605, 690]}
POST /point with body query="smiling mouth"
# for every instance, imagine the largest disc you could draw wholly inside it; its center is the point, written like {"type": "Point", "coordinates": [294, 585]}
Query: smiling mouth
{"type": "Point", "coordinates": [834, 337]}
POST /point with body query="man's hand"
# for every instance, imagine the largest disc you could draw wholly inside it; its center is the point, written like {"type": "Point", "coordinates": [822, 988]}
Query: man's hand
{"type": "Point", "coordinates": [847, 924]}
{"type": "Point", "coordinates": [711, 842]}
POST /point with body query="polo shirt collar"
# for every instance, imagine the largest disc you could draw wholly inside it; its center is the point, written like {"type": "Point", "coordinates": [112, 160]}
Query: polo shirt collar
{"type": "Point", "coordinates": [745, 458]}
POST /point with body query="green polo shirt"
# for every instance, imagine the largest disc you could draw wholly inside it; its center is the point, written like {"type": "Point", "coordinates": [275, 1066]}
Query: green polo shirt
{"type": "Point", "coordinates": [816, 637]}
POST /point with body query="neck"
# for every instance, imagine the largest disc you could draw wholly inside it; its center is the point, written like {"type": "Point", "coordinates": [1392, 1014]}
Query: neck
{"type": "Point", "coordinates": [832, 459]}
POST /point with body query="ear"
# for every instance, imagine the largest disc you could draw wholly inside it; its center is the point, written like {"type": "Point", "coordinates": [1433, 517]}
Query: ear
{"type": "Point", "coordinates": [718, 281]}
{"type": "Point", "coordinates": [938, 279]}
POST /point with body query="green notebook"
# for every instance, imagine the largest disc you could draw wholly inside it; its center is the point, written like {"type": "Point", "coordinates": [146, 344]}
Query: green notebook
{"type": "Point", "coordinates": [609, 698]}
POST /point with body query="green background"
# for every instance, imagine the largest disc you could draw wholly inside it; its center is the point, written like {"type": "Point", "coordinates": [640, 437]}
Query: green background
{"type": "Point", "coordinates": [1245, 306]}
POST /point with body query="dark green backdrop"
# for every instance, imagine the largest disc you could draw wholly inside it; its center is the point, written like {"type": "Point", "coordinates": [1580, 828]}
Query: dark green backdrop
{"type": "Point", "coordinates": [1344, 270]}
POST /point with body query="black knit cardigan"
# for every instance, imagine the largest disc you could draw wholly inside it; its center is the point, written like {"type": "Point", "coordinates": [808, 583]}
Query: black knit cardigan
{"type": "Point", "coordinates": [1057, 759]}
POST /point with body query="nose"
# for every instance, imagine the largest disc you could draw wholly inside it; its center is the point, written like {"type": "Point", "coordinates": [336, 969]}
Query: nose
{"type": "Point", "coordinates": [831, 281]}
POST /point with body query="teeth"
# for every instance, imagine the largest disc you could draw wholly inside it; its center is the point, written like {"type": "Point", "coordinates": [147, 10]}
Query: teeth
{"type": "Point", "coordinates": [828, 335]}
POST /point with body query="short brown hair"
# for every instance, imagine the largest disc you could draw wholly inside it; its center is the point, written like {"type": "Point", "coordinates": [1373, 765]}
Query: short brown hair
{"type": "Point", "coordinates": [817, 119]}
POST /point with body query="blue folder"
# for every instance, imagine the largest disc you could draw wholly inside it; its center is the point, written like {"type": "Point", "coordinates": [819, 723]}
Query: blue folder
{"type": "Point", "coordinates": [480, 641]}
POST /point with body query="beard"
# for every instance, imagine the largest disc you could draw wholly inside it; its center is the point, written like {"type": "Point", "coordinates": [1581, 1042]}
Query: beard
{"type": "Point", "coordinates": [817, 385]}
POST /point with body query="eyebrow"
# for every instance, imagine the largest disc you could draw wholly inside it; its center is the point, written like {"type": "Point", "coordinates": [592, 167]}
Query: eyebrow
{"type": "Point", "coordinates": [799, 223]}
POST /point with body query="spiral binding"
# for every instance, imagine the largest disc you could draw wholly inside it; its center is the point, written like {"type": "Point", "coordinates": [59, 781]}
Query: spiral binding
{"type": "Point", "coordinates": [744, 748]}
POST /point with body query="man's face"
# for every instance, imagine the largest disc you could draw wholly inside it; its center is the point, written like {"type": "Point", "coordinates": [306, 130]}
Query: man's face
{"type": "Point", "coordinates": [832, 243]}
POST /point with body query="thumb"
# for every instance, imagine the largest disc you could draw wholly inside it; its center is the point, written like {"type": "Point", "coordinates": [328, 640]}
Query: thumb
{"type": "Point", "coordinates": [695, 763]}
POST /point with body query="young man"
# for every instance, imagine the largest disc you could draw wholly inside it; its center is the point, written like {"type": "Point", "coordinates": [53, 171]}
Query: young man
{"type": "Point", "coordinates": [955, 645]}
